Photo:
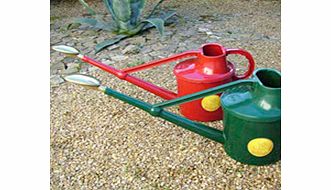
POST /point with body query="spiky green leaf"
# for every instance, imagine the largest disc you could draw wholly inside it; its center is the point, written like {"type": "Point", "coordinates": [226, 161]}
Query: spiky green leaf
{"type": "Point", "coordinates": [154, 8]}
{"type": "Point", "coordinates": [164, 17]}
{"type": "Point", "coordinates": [122, 9]}
{"type": "Point", "coordinates": [167, 15]}
{"type": "Point", "coordinates": [158, 23]}
{"type": "Point", "coordinates": [87, 7]}
{"type": "Point", "coordinates": [136, 7]}
{"type": "Point", "coordinates": [105, 26]}
{"type": "Point", "coordinates": [109, 42]}
{"type": "Point", "coordinates": [95, 23]}
{"type": "Point", "coordinates": [123, 14]}
{"type": "Point", "coordinates": [89, 21]}
{"type": "Point", "coordinates": [110, 9]}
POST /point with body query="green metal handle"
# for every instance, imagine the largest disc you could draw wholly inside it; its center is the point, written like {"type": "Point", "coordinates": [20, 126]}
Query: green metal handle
{"type": "Point", "coordinates": [204, 93]}
{"type": "Point", "coordinates": [195, 127]}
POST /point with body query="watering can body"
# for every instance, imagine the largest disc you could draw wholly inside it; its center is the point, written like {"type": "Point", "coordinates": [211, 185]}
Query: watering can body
{"type": "Point", "coordinates": [204, 68]}
{"type": "Point", "coordinates": [252, 116]}
{"type": "Point", "coordinates": [252, 119]}
{"type": "Point", "coordinates": [209, 69]}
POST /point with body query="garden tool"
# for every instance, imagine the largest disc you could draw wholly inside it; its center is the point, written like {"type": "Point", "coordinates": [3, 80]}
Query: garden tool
{"type": "Point", "coordinates": [252, 114]}
{"type": "Point", "coordinates": [202, 69]}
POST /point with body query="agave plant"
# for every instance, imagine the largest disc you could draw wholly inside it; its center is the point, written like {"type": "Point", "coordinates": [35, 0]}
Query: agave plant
{"type": "Point", "coordinates": [127, 18]}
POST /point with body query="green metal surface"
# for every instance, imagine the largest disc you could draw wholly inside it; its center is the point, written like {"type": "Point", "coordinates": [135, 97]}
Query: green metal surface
{"type": "Point", "coordinates": [240, 132]}
{"type": "Point", "coordinates": [253, 112]}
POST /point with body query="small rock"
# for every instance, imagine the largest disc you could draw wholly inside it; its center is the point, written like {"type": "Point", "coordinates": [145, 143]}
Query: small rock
{"type": "Point", "coordinates": [92, 69]}
{"type": "Point", "coordinates": [57, 66]}
{"type": "Point", "coordinates": [203, 30]}
{"type": "Point", "coordinates": [266, 37]}
{"type": "Point", "coordinates": [181, 49]}
{"type": "Point", "coordinates": [119, 58]}
{"type": "Point", "coordinates": [146, 50]}
{"type": "Point", "coordinates": [73, 65]}
{"type": "Point", "coordinates": [108, 62]}
{"type": "Point", "coordinates": [216, 37]}
{"type": "Point", "coordinates": [138, 40]}
{"type": "Point", "coordinates": [211, 40]}
{"type": "Point", "coordinates": [104, 55]}
{"type": "Point", "coordinates": [113, 47]}
{"type": "Point", "coordinates": [158, 46]}
{"type": "Point", "coordinates": [168, 33]}
{"type": "Point", "coordinates": [56, 80]}
{"type": "Point", "coordinates": [70, 71]}
{"type": "Point", "coordinates": [90, 33]}
{"type": "Point", "coordinates": [89, 44]}
{"type": "Point", "coordinates": [154, 54]}
{"type": "Point", "coordinates": [70, 43]}
{"type": "Point", "coordinates": [187, 33]}
{"type": "Point", "coordinates": [131, 49]}
{"type": "Point", "coordinates": [209, 33]}
{"type": "Point", "coordinates": [67, 60]}
{"type": "Point", "coordinates": [239, 175]}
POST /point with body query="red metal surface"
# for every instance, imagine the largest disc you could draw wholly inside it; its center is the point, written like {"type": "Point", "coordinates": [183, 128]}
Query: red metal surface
{"type": "Point", "coordinates": [163, 93]}
{"type": "Point", "coordinates": [205, 68]}
{"type": "Point", "coordinates": [208, 70]}
{"type": "Point", "coordinates": [189, 81]}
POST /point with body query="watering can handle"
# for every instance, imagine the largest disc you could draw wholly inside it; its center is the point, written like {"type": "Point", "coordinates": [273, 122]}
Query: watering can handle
{"type": "Point", "coordinates": [125, 73]}
{"type": "Point", "coordinates": [251, 63]}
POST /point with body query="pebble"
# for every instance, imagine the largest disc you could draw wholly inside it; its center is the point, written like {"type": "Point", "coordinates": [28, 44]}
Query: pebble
{"type": "Point", "coordinates": [203, 30]}
{"type": "Point", "coordinates": [56, 80]}
{"type": "Point", "coordinates": [108, 62]}
{"type": "Point", "coordinates": [119, 57]}
{"type": "Point", "coordinates": [69, 71]}
{"type": "Point", "coordinates": [73, 65]}
{"type": "Point", "coordinates": [131, 49]}
{"type": "Point", "coordinates": [67, 60]}
{"type": "Point", "coordinates": [209, 33]}
{"type": "Point", "coordinates": [139, 40]}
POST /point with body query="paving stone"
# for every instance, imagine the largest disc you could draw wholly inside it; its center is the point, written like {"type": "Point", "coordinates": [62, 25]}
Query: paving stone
{"type": "Point", "coordinates": [56, 80]}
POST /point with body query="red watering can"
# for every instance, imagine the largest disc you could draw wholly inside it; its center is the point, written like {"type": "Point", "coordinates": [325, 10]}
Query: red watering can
{"type": "Point", "coordinates": [203, 69]}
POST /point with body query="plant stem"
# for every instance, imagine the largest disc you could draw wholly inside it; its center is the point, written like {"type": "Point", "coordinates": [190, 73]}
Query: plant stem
{"type": "Point", "coordinates": [154, 9]}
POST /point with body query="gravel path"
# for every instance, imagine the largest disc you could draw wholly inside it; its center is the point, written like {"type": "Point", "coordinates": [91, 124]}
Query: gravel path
{"type": "Point", "coordinates": [98, 142]}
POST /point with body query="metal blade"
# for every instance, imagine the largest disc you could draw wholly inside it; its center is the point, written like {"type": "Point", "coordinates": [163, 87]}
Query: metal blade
{"type": "Point", "coordinates": [83, 80]}
{"type": "Point", "coordinates": [66, 49]}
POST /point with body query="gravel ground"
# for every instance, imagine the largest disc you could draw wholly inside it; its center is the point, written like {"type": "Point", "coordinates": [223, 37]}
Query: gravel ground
{"type": "Point", "coordinates": [98, 142]}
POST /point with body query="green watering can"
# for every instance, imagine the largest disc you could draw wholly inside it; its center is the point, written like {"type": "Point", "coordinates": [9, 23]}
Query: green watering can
{"type": "Point", "coordinates": [252, 114]}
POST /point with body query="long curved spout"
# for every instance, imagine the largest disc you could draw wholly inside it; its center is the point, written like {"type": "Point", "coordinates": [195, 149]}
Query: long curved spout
{"type": "Point", "coordinates": [163, 93]}
{"type": "Point", "coordinates": [125, 73]}
{"type": "Point", "coordinates": [201, 129]}
{"type": "Point", "coordinates": [195, 127]}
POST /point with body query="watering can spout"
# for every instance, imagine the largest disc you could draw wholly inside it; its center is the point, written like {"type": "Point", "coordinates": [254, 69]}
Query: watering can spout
{"type": "Point", "coordinates": [201, 129]}
{"type": "Point", "coordinates": [121, 74]}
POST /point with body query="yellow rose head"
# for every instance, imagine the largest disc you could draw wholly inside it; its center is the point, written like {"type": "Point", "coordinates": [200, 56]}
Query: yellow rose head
{"type": "Point", "coordinates": [211, 103]}
{"type": "Point", "coordinates": [260, 147]}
